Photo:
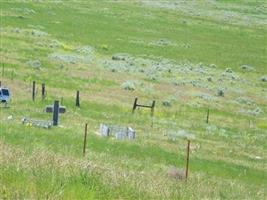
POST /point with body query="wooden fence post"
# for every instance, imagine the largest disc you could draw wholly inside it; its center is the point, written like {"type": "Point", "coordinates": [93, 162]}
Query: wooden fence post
{"type": "Point", "coordinates": [43, 91]}
{"type": "Point", "coordinates": [187, 159]}
{"type": "Point", "coordinates": [135, 104]}
{"type": "Point", "coordinates": [208, 115]}
{"type": "Point", "coordinates": [153, 108]}
{"type": "Point", "coordinates": [33, 90]}
{"type": "Point", "coordinates": [78, 98]}
{"type": "Point", "coordinates": [85, 138]}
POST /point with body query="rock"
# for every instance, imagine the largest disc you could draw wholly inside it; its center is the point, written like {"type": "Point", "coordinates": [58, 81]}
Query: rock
{"type": "Point", "coordinates": [176, 173]}
{"type": "Point", "coordinates": [184, 134]}
{"type": "Point", "coordinates": [247, 68]}
{"type": "Point", "coordinates": [123, 57]}
{"type": "Point", "coordinates": [129, 85]}
{"type": "Point", "coordinates": [163, 42]}
{"type": "Point", "coordinates": [85, 50]}
{"type": "Point", "coordinates": [243, 100]}
{"type": "Point", "coordinates": [10, 117]}
{"type": "Point", "coordinates": [38, 33]}
{"type": "Point", "coordinates": [264, 78]}
{"type": "Point", "coordinates": [34, 63]}
{"type": "Point", "coordinates": [257, 111]}
{"type": "Point", "coordinates": [220, 92]}
{"type": "Point", "coordinates": [228, 70]}
{"type": "Point", "coordinates": [212, 65]}
{"type": "Point", "coordinates": [209, 79]}
{"type": "Point", "coordinates": [16, 30]}
{"type": "Point", "coordinates": [166, 103]}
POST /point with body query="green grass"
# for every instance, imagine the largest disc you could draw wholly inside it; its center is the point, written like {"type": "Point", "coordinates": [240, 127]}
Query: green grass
{"type": "Point", "coordinates": [228, 155]}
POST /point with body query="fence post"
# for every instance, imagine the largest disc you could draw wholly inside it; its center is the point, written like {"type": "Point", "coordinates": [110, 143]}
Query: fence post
{"type": "Point", "coordinates": [55, 113]}
{"type": "Point", "coordinates": [135, 104]}
{"type": "Point", "coordinates": [43, 91]}
{"type": "Point", "coordinates": [78, 98]}
{"type": "Point", "coordinates": [153, 108]}
{"type": "Point", "coordinates": [208, 115]}
{"type": "Point", "coordinates": [187, 159]}
{"type": "Point", "coordinates": [85, 138]}
{"type": "Point", "coordinates": [33, 90]}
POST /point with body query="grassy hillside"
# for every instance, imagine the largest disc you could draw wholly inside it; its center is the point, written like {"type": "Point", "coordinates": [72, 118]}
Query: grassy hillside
{"type": "Point", "coordinates": [187, 55]}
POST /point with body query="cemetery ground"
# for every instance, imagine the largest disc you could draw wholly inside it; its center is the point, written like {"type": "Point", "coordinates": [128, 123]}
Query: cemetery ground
{"type": "Point", "coordinates": [187, 56]}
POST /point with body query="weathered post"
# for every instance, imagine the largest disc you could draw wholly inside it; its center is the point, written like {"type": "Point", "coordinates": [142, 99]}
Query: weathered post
{"type": "Point", "coordinates": [135, 104]}
{"type": "Point", "coordinates": [78, 98]}
{"type": "Point", "coordinates": [153, 108]}
{"type": "Point", "coordinates": [152, 113]}
{"type": "Point", "coordinates": [187, 159]}
{"type": "Point", "coordinates": [85, 138]}
{"type": "Point", "coordinates": [43, 91]}
{"type": "Point", "coordinates": [208, 115]}
{"type": "Point", "coordinates": [33, 90]}
{"type": "Point", "coordinates": [55, 113]}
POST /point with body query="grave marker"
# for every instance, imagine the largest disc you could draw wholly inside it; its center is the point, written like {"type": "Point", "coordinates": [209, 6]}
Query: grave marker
{"type": "Point", "coordinates": [56, 110]}
{"type": "Point", "coordinates": [104, 130]}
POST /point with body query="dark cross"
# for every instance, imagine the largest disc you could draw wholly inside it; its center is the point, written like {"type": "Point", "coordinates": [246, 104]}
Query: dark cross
{"type": "Point", "coordinates": [56, 110]}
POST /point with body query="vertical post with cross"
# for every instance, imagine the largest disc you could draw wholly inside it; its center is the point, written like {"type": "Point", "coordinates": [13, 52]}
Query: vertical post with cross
{"type": "Point", "coordinates": [55, 113]}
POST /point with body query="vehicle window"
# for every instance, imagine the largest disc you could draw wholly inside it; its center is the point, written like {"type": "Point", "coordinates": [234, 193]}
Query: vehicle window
{"type": "Point", "coordinates": [5, 92]}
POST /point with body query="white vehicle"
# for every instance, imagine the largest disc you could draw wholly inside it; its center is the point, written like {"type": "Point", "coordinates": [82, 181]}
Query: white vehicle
{"type": "Point", "coordinates": [4, 95]}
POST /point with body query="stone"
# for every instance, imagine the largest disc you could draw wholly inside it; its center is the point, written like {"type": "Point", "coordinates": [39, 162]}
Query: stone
{"type": "Point", "coordinates": [176, 173]}
{"type": "Point", "coordinates": [104, 130]}
{"type": "Point", "coordinates": [220, 92]}
{"type": "Point", "coordinates": [10, 117]}
{"type": "Point", "coordinates": [228, 70]}
{"type": "Point", "coordinates": [131, 133]}
{"type": "Point", "coordinates": [129, 85]}
{"type": "Point", "coordinates": [247, 68]}
{"type": "Point", "coordinates": [264, 78]}
{"type": "Point", "coordinates": [37, 123]}
{"type": "Point", "coordinates": [120, 135]}
{"type": "Point", "coordinates": [34, 64]}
